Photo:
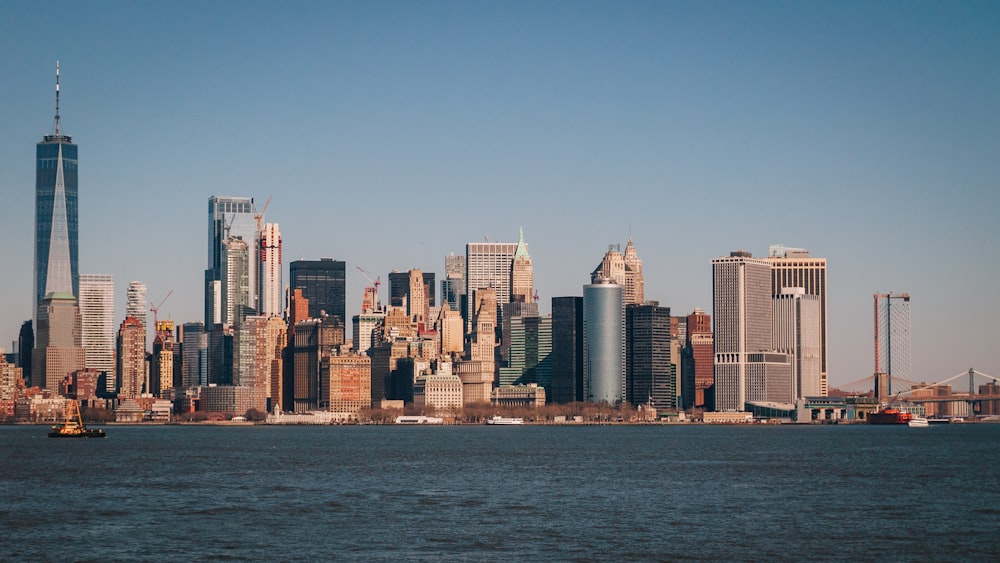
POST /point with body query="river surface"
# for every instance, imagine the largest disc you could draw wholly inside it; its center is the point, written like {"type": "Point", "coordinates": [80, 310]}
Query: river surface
{"type": "Point", "coordinates": [479, 493]}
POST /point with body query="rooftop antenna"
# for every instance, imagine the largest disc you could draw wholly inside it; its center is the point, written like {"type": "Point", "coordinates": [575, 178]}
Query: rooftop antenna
{"type": "Point", "coordinates": [57, 98]}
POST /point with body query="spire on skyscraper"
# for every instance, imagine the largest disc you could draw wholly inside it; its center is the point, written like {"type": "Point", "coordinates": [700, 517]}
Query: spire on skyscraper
{"type": "Point", "coordinates": [57, 98]}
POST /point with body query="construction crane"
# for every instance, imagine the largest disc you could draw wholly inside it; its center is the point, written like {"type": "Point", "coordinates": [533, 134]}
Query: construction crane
{"type": "Point", "coordinates": [375, 281]}
{"type": "Point", "coordinates": [260, 215]}
{"type": "Point", "coordinates": [156, 309]}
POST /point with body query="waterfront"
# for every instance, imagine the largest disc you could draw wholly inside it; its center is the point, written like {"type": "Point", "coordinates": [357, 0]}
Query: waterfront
{"type": "Point", "coordinates": [513, 493]}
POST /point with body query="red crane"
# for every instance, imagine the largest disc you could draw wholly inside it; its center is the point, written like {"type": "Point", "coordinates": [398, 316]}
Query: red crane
{"type": "Point", "coordinates": [375, 281]}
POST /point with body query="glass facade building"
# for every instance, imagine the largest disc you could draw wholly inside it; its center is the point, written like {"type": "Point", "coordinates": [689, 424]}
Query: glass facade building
{"type": "Point", "coordinates": [57, 266]}
{"type": "Point", "coordinates": [228, 217]}
{"type": "Point", "coordinates": [604, 342]}
{"type": "Point", "coordinates": [323, 283]}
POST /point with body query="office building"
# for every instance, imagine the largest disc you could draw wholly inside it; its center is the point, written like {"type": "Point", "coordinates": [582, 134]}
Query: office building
{"type": "Point", "coordinates": [746, 368]}
{"type": "Point", "coordinates": [567, 350]}
{"type": "Point", "coordinates": [796, 332]}
{"type": "Point", "coordinates": [522, 281]}
{"type": "Point", "coordinates": [650, 374]}
{"type": "Point", "coordinates": [350, 383]}
{"type": "Point", "coordinates": [58, 348]}
{"type": "Point", "coordinates": [624, 270]}
{"type": "Point", "coordinates": [488, 265]}
{"type": "Point", "coordinates": [604, 342]}
{"type": "Point", "coordinates": [194, 356]}
{"type": "Point", "coordinates": [56, 215]}
{"type": "Point", "coordinates": [269, 273]}
{"type": "Point", "coordinates": [161, 362]}
{"type": "Point", "coordinates": [276, 339]}
{"type": "Point", "coordinates": [892, 342]}
{"type": "Point", "coordinates": [323, 284]}
{"type": "Point", "coordinates": [25, 346]}
{"type": "Point", "coordinates": [365, 325]}
{"type": "Point", "coordinates": [529, 351]}
{"type": "Point", "coordinates": [131, 358]}
{"type": "Point", "coordinates": [228, 218]}
{"type": "Point", "coordinates": [97, 323]}
{"type": "Point", "coordinates": [794, 267]}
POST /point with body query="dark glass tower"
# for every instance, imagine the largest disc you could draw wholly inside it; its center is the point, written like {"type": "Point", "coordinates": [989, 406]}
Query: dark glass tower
{"type": "Point", "coordinates": [567, 349]}
{"type": "Point", "coordinates": [57, 267]}
{"type": "Point", "coordinates": [323, 283]}
{"type": "Point", "coordinates": [649, 373]}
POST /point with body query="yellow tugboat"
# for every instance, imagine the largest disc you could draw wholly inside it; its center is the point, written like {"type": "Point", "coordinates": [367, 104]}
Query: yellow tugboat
{"type": "Point", "coordinates": [72, 426]}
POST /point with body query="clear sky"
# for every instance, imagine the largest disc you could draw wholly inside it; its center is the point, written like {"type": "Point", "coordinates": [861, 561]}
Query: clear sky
{"type": "Point", "coordinates": [392, 133]}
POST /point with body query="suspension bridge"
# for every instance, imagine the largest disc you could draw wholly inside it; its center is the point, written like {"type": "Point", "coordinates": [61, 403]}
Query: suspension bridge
{"type": "Point", "coordinates": [941, 398]}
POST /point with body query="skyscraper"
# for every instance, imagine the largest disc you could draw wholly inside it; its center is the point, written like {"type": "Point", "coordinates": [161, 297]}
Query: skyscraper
{"type": "Point", "coordinates": [892, 341]}
{"type": "Point", "coordinates": [135, 303]}
{"type": "Point", "coordinates": [58, 351]}
{"type": "Point", "coordinates": [745, 368]}
{"type": "Point", "coordinates": [131, 358]}
{"type": "Point", "coordinates": [522, 274]}
{"type": "Point", "coordinates": [604, 342]}
{"type": "Point", "coordinates": [488, 265]}
{"type": "Point", "coordinates": [453, 286]}
{"type": "Point", "coordinates": [323, 284]}
{"type": "Point", "coordinates": [194, 355]}
{"type": "Point", "coordinates": [794, 267]}
{"type": "Point", "coordinates": [228, 217]}
{"type": "Point", "coordinates": [650, 374]}
{"type": "Point", "coordinates": [237, 291]}
{"type": "Point", "coordinates": [56, 215]}
{"type": "Point", "coordinates": [697, 364]}
{"type": "Point", "coordinates": [796, 332]}
{"type": "Point", "coordinates": [567, 349]}
{"type": "Point", "coordinates": [97, 320]}
{"type": "Point", "coordinates": [269, 279]}
{"type": "Point", "coordinates": [624, 270]}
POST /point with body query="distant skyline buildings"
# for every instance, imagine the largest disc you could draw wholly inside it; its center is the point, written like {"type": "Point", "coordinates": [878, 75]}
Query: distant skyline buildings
{"type": "Point", "coordinates": [228, 217]}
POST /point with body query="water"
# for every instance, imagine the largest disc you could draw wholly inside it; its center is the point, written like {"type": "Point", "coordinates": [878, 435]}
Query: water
{"type": "Point", "coordinates": [622, 493]}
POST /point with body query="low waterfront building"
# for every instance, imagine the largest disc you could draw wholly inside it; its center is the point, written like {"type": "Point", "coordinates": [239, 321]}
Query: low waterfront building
{"type": "Point", "coordinates": [231, 399]}
{"type": "Point", "coordinates": [530, 395]}
{"type": "Point", "coordinates": [440, 391]}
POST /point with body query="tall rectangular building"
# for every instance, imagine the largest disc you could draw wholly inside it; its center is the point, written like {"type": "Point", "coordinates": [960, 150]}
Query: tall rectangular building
{"type": "Point", "coordinates": [269, 271]}
{"type": "Point", "coordinates": [323, 284]}
{"type": "Point", "coordinates": [488, 265]}
{"type": "Point", "coordinates": [97, 322]}
{"type": "Point", "coordinates": [796, 332]}
{"type": "Point", "coordinates": [453, 286]}
{"type": "Point", "coordinates": [57, 268]}
{"type": "Point", "coordinates": [650, 375]}
{"type": "Point", "coordinates": [567, 350]}
{"type": "Point", "coordinates": [742, 304]}
{"type": "Point", "coordinates": [604, 342]}
{"type": "Point", "coordinates": [794, 267]}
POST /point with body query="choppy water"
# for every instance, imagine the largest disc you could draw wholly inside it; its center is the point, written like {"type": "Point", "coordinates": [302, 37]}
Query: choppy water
{"type": "Point", "coordinates": [502, 493]}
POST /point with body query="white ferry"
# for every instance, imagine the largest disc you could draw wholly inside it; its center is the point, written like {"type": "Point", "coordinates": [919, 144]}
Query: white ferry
{"type": "Point", "coordinates": [419, 420]}
{"type": "Point", "coordinates": [505, 421]}
{"type": "Point", "coordinates": [918, 422]}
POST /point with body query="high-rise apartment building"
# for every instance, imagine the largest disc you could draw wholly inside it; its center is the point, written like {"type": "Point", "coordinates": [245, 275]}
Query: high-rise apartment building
{"type": "Point", "coordinates": [604, 342]}
{"type": "Point", "coordinates": [194, 355]}
{"type": "Point", "coordinates": [135, 303]}
{"type": "Point", "coordinates": [237, 291]}
{"type": "Point", "coordinates": [161, 362]}
{"type": "Point", "coordinates": [228, 217]}
{"type": "Point", "coordinates": [131, 358]}
{"type": "Point", "coordinates": [567, 350]}
{"type": "Point", "coordinates": [97, 322]}
{"type": "Point", "coordinates": [488, 265]}
{"type": "Point", "coordinates": [624, 270]}
{"type": "Point", "coordinates": [650, 374]}
{"type": "Point", "coordinates": [796, 332]}
{"type": "Point", "coordinates": [892, 341]}
{"type": "Point", "coordinates": [323, 284]}
{"type": "Point", "coordinates": [746, 368]}
{"type": "Point", "coordinates": [56, 215]}
{"type": "Point", "coordinates": [269, 272]}
{"type": "Point", "coordinates": [794, 267]}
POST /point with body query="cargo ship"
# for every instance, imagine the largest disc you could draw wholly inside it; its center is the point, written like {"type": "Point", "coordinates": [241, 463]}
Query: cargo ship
{"type": "Point", "coordinates": [72, 426]}
{"type": "Point", "coordinates": [889, 415]}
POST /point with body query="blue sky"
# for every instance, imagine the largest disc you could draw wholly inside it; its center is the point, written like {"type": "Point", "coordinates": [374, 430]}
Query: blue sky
{"type": "Point", "coordinates": [391, 133]}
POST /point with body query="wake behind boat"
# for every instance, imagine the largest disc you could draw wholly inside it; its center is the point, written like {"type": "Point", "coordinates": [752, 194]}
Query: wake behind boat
{"type": "Point", "coordinates": [504, 421]}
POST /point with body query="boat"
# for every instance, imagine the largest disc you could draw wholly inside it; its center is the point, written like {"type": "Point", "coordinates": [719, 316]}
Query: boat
{"type": "Point", "coordinates": [918, 422]}
{"type": "Point", "coordinates": [889, 415]}
{"type": "Point", "coordinates": [72, 425]}
{"type": "Point", "coordinates": [504, 421]}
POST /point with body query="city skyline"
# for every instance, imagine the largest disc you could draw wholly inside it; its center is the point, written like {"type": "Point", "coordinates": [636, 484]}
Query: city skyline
{"type": "Point", "coordinates": [872, 144]}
